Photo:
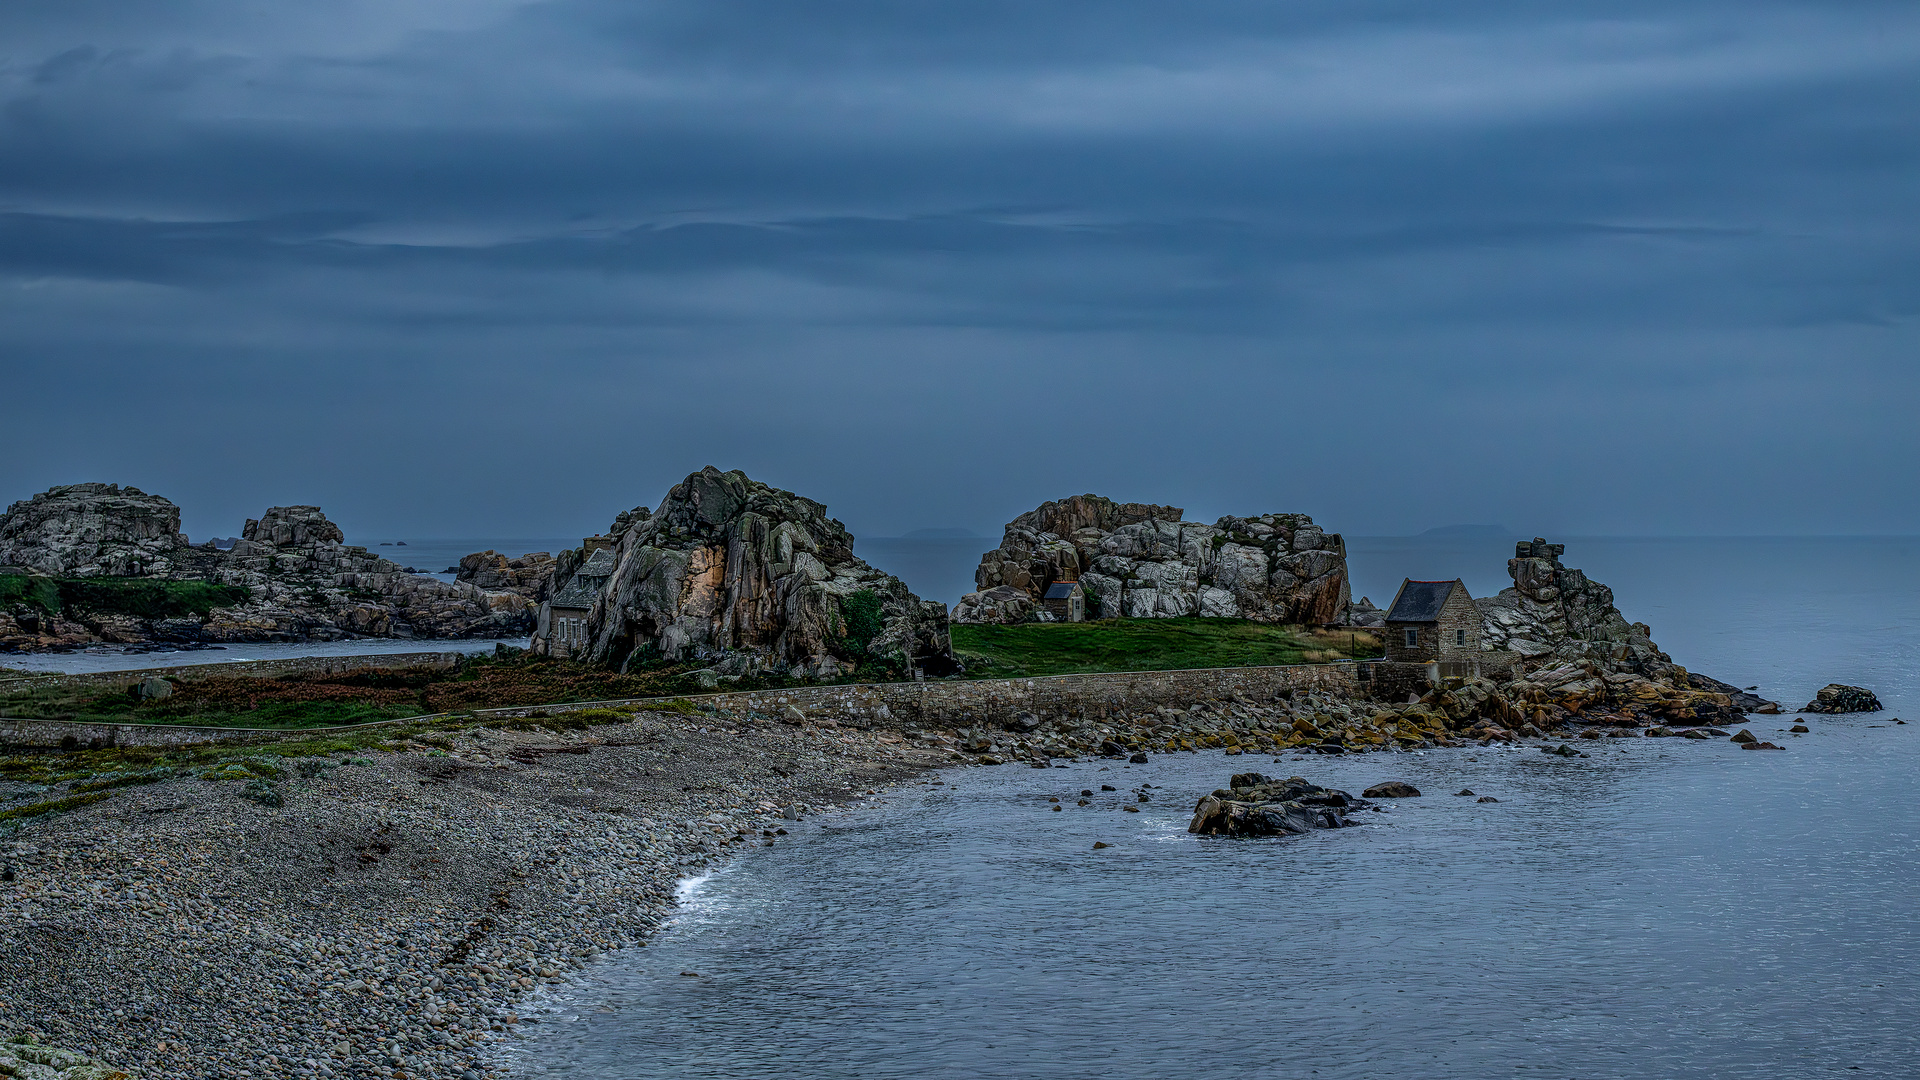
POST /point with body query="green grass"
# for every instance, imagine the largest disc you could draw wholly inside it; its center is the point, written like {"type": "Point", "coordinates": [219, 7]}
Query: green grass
{"type": "Point", "coordinates": [146, 598]}
{"type": "Point", "coordinates": [1141, 645]}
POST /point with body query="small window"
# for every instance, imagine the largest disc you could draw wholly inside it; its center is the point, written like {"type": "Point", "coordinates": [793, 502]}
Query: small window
{"type": "Point", "coordinates": [1413, 638]}
{"type": "Point", "coordinates": [1459, 637]}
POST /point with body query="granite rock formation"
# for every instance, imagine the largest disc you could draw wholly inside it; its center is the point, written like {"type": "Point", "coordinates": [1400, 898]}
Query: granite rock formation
{"type": "Point", "coordinates": [1142, 561]}
{"type": "Point", "coordinates": [1255, 805]}
{"type": "Point", "coordinates": [749, 579]}
{"type": "Point", "coordinates": [91, 530]}
{"type": "Point", "coordinates": [301, 581]}
{"type": "Point", "coordinates": [526, 576]}
{"type": "Point", "coordinates": [1579, 655]}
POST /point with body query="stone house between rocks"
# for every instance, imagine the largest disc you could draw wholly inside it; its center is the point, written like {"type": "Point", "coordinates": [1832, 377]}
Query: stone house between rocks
{"type": "Point", "coordinates": [1432, 621]}
{"type": "Point", "coordinates": [1066, 601]}
{"type": "Point", "coordinates": [567, 610]}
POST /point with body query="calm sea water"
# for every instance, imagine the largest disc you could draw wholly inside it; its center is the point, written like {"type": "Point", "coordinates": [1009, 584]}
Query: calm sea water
{"type": "Point", "coordinates": [1663, 908]}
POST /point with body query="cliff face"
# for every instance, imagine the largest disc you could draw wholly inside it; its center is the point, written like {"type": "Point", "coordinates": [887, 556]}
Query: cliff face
{"type": "Point", "coordinates": [755, 579]}
{"type": "Point", "coordinates": [1142, 561]}
{"type": "Point", "coordinates": [526, 576]}
{"type": "Point", "coordinates": [301, 582]}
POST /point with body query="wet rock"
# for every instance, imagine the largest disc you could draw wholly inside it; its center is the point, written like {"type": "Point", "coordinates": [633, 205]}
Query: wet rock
{"type": "Point", "coordinates": [1744, 736]}
{"type": "Point", "coordinates": [1760, 746]}
{"type": "Point", "coordinates": [1137, 759]}
{"type": "Point", "coordinates": [1486, 798]}
{"type": "Point", "coordinates": [1840, 698]}
{"type": "Point", "coordinates": [1254, 805]}
{"type": "Point", "coordinates": [1392, 789]}
{"type": "Point", "coordinates": [1800, 729]}
{"type": "Point", "coordinates": [1464, 791]}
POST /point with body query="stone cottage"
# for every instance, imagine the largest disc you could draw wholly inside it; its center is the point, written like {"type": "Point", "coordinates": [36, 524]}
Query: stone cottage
{"type": "Point", "coordinates": [1066, 601]}
{"type": "Point", "coordinates": [1433, 621]}
{"type": "Point", "coordinates": [567, 611]}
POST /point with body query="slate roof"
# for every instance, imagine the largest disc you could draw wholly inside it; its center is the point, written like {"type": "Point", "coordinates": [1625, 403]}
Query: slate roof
{"type": "Point", "coordinates": [1061, 590]}
{"type": "Point", "coordinates": [1420, 601]}
{"type": "Point", "coordinates": [576, 595]}
{"type": "Point", "coordinates": [585, 586]}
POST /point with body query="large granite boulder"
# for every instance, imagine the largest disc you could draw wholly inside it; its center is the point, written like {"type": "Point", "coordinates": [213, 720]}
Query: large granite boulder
{"type": "Point", "coordinates": [526, 575]}
{"type": "Point", "coordinates": [292, 526]}
{"type": "Point", "coordinates": [91, 530]}
{"type": "Point", "coordinates": [1140, 560]}
{"type": "Point", "coordinates": [1255, 805]}
{"type": "Point", "coordinates": [1841, 698]}
{"type": "Point", "coordinates": [747, 578]}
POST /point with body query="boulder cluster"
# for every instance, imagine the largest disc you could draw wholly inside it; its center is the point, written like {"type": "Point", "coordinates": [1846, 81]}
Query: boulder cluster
{"type": "Point", "coordinates": [301, 580]}
{"type": "Point", "coordinates": [752, 580]}
{"type": "Point", "coordinates": [1841, 698]}
{"type": "Point", "coordinates": [1255, 805]}
{"type": "Point", "coordinates": [1142, 561]}
{"type": "Point", "coordinates": [526, 576]}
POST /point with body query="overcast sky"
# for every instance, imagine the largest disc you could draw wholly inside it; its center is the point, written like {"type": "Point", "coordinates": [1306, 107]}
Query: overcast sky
{"type": "Point", "coordinates": [494, 268]}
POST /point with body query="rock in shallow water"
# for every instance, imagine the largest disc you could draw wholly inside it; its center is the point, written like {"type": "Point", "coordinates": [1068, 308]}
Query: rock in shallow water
{"type": "Point", "coordinates": [1392, 789]}
{"type": "Point", "coordinates": [1254, 805]}
{"type": "Point", "coordinates": [1841, 698]}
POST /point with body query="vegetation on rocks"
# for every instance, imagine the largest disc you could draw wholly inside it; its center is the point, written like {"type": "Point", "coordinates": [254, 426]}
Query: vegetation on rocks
{"type": "Point", "coordinates": [991, 651]}
{"type": "Point", "coordinates": [141, 598]}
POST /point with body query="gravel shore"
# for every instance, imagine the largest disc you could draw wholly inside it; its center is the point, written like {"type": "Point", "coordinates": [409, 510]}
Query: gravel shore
{"type": "Point", "coordinates": [390, 915]}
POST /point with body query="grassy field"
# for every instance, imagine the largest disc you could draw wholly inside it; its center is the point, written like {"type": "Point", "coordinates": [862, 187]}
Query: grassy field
{"type": "Point", "coordinates": [1146, 645]}
{"type": "Point", "coordinates": [354, 697]}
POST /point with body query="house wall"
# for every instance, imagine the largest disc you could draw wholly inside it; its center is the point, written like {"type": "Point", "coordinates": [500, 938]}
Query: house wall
{"type": "Point", "coordinates": [1399, 652]}
{"type": "Point", "coordinates": [1458, 613]}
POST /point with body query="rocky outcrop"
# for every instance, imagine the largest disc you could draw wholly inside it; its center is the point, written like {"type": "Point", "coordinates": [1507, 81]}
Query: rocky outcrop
{"type": "Point", "coordinates": [1841, 698]}
{"type": "Point", "coordinates": [299, 580]}
{"type": "Point", "coordinates": [1580, 655]}
{"type": "Point", "coordinates": [91, 530]}
{"type": "Point", "coordinates": [748, 579]}
{"type": "Point", "coordinates": [1254, 805]}
{"type": "Point", "coordinates": [526, 576]}
{"type": "Point", "coordinates": [1139, 560]}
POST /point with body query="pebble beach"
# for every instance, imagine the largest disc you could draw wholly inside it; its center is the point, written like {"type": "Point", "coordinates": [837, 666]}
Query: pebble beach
{"type": "Point", "coordinates": [393, 915]}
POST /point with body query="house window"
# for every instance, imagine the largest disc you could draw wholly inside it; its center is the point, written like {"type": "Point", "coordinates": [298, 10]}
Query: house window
{"type": "Point", "coordinates": [1460, 637]}
{"type": "Point", "coordinates": [1413, 638]}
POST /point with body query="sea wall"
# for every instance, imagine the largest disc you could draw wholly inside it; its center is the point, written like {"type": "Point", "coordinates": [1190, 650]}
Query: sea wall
{"type": "Point", "coordinates": [893, 706]}
{"type": "Point", "coordinates": [297, 665]}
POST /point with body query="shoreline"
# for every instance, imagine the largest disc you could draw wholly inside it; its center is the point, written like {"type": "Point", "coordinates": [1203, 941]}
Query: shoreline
{"type": "Point", "coordinates": [403, 900]}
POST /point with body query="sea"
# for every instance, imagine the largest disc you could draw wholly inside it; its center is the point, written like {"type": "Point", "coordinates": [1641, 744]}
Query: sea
{"type": "Point", "coordinates": [1657, 908]}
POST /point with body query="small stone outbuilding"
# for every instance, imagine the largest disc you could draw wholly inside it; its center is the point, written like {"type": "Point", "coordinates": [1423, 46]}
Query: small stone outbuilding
{"type": "Point", "coordinates": [1066, 601]}
{"type": "Point", "coordinates": [1433, 621]}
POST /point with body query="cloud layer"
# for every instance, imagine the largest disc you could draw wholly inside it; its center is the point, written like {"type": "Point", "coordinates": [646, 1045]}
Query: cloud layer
{"type": "Point", "coordinates": [505, 268]}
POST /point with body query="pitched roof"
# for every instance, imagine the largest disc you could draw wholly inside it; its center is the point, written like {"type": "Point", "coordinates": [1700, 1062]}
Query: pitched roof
{"type": "Point", "coordinates": [1420, 601]}
{"type": "Point", "coordinates": [1061, 590]}
{"type": "Point", "coordinates": [599, 564]}
{"type": "Point", "coordinates": [578, 594]}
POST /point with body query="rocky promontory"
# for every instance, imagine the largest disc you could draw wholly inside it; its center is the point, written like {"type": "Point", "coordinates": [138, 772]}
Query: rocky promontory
{"type": "Point", "coordinates": [1141, 561]}
{"type": "Point", "coordinates": [752, 580]}
{"type": "Point", "coordinates": [105, 563]}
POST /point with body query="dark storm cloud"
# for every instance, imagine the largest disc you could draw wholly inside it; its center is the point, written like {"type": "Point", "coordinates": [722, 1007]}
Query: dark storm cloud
{"type": "Point", "coordinates": [482, 267]}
